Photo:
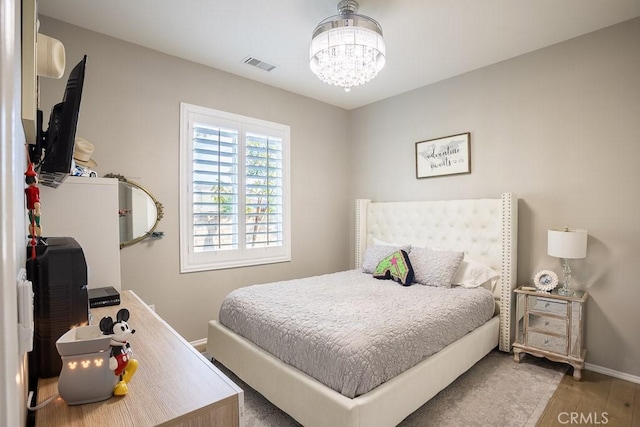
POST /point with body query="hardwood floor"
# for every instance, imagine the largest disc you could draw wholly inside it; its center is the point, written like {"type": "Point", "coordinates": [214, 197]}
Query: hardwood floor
{"type": "Point", "coordinates": [597, 400]}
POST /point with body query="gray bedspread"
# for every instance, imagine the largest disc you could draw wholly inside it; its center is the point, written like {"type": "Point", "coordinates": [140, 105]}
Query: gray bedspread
{"type": "Point", "coordinates": [351, 331]}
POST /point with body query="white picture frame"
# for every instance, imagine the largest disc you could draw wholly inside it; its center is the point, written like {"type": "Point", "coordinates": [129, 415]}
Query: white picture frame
{"type": "Point", "coordinates": [448, 155]}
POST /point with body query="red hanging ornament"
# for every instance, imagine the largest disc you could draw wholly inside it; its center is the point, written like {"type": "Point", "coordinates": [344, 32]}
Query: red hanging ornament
{"type": "Point", "coordinates": [32, 193]}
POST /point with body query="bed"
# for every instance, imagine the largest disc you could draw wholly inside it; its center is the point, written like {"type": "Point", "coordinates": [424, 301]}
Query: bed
{"type": "Point", "coordinates": [484, 229]}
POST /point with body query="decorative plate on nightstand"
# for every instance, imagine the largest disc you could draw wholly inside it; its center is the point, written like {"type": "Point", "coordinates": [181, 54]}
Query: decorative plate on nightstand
{"type": "Point", "coordinates": [545, 280]}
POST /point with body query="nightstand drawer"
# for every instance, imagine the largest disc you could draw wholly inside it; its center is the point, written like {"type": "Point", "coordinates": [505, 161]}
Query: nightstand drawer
{"type": "Point", "coordinates": [547, 342]}
{"type": "Point", "coordinates": [542, 323]}
{"type": "Point", "coordinates": [546, 305]}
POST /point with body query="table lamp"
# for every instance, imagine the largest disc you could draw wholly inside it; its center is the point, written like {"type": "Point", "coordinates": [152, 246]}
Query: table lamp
{"type": "Point", "coordinates": [567, 244]}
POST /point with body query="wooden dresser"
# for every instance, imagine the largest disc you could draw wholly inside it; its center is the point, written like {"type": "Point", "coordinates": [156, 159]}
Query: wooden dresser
{"type": "Point", "coordinates": [174, 383]}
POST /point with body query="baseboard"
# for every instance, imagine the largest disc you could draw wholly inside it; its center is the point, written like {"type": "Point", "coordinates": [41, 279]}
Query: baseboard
{"type": "Point", "coordinates": [200, 345]}
{"type": "Point", "coordinates": [607, 371]}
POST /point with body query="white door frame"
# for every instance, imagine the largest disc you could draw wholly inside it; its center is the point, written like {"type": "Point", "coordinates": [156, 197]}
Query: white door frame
{"type": "Point", "coordinates": [13, 378]}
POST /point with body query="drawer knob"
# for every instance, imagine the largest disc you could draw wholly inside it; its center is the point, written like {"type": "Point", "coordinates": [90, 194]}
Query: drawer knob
{"type": "Point", "coordinates": [546, 341]}
{"type": "Point", "coordinates": [547, 305]}
{"type": "Point", "coordinates": [546, 323]}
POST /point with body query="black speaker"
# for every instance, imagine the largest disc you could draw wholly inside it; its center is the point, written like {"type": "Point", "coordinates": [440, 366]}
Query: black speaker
{"type": "Point", "coordinates": [59, 277]}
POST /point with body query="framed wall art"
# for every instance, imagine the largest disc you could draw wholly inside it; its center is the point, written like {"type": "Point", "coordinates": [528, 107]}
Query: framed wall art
{"type": "Point", "coordinates": [449, 155]}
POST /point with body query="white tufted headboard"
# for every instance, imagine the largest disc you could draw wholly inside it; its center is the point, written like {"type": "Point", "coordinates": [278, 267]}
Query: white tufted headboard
{"type": "Point", "coordinates": [485, 229]}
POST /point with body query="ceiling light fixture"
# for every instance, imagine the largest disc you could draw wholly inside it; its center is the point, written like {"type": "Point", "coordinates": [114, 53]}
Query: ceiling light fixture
{"type": "Point", "coordinates": [347, 49]}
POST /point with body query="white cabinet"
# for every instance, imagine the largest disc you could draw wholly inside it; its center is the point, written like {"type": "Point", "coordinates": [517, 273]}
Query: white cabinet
{"type": "Point", "coordinates": [87, 210]}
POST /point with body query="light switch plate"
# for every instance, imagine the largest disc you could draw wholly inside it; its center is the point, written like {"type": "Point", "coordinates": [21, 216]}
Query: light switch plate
{"type": "Point", "coordinates": [25, 313]}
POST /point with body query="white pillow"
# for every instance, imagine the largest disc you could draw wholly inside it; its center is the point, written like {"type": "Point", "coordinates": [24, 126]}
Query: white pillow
{"type": "Point", "coordinates": [376, 253]}
{"type": "Point", "coordinates": [379, 242]}
{"type": "Point", "coordinates": [474, 274]}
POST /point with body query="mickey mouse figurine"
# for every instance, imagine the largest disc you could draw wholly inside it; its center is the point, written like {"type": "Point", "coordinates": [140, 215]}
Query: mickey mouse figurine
{"type": "Point", "coordinates": [120, 361]}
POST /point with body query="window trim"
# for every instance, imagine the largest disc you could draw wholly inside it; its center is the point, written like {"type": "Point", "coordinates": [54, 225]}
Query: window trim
{"type": "Point", "coordinates": [242, 257]}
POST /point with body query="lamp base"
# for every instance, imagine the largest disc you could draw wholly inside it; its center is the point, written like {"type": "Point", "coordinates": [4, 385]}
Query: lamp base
{"type": "Point", "coordinates": [564, 291]}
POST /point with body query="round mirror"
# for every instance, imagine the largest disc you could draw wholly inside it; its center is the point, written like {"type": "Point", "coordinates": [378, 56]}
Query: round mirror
{"type": "Point", "coordinates": [138, 209]}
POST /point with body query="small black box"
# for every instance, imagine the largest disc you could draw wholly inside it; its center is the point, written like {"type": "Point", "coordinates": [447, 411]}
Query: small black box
{"type": "Point", "coordinates": [102, 297]}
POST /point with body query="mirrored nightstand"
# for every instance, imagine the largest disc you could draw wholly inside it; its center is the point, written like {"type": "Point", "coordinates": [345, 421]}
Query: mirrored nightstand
{"type": "Point", "coordinates": [552, 326]}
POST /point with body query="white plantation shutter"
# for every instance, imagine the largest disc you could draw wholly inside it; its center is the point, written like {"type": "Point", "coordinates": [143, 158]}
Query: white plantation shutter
{"type": "Point", "coordinates": [234, 190]}
{"type": "Point", "coordinates": [215, 188]}
{"type": "Point", "coordinates": [263, 191]}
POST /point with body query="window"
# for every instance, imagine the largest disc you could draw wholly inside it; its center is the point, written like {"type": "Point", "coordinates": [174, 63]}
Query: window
{"type": "Point", "coordinates": [234, 192]}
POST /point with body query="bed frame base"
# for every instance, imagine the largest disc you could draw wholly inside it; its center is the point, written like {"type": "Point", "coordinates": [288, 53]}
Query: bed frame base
{"type": "Point", "coordinates": [387, 405]}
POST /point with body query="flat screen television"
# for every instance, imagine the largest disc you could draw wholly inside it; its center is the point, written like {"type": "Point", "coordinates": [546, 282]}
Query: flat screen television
{"type": "Point", "coordinates": [53, 152]}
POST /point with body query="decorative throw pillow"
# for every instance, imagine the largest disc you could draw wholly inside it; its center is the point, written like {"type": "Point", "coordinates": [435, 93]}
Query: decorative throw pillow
{"type": "Point", "coordinates": [395, 267]}
{"type": "Point", "coordinates": [435, 268]}
{"type": "Point", "coordinates": [376, 253]}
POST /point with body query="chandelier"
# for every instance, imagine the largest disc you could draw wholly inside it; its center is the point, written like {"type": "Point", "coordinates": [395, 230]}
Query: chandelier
{"type": "Point", "coordinates": [347, 49]}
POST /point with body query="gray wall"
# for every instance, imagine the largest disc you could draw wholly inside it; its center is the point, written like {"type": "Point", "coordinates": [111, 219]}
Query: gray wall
{"type": "Point", "coordinates": [559, 128]}
{"type": "Point", "coordinates": [130, 112]}
{"type": "Point", "coordinates": [556, 127]}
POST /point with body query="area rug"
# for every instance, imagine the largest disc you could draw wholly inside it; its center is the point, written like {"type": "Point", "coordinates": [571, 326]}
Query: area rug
{"type": "Point", "coordinates": [495, 392]}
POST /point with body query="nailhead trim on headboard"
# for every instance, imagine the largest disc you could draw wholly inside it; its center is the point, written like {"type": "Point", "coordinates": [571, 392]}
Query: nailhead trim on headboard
{"type": "Point", "coordinates": [509, 267]}
{"type": "Point", "coordinates": [361, 230]}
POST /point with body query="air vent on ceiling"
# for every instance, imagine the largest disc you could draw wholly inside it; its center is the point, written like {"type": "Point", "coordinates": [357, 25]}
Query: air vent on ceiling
{"type": "Point", "coordinates": [258, 63]}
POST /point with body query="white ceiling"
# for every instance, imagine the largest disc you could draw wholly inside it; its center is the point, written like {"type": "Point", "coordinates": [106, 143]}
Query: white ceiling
{"type": "Point", "coordinates": [427, 40]}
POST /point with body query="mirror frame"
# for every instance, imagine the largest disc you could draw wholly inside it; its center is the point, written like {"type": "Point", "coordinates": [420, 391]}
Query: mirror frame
{"type": "Point", "coordinates": [159, 209]}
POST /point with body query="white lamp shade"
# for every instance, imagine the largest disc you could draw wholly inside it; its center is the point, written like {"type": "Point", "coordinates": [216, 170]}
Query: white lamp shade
{"type": "Point", "coordinates": [567, 243]}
